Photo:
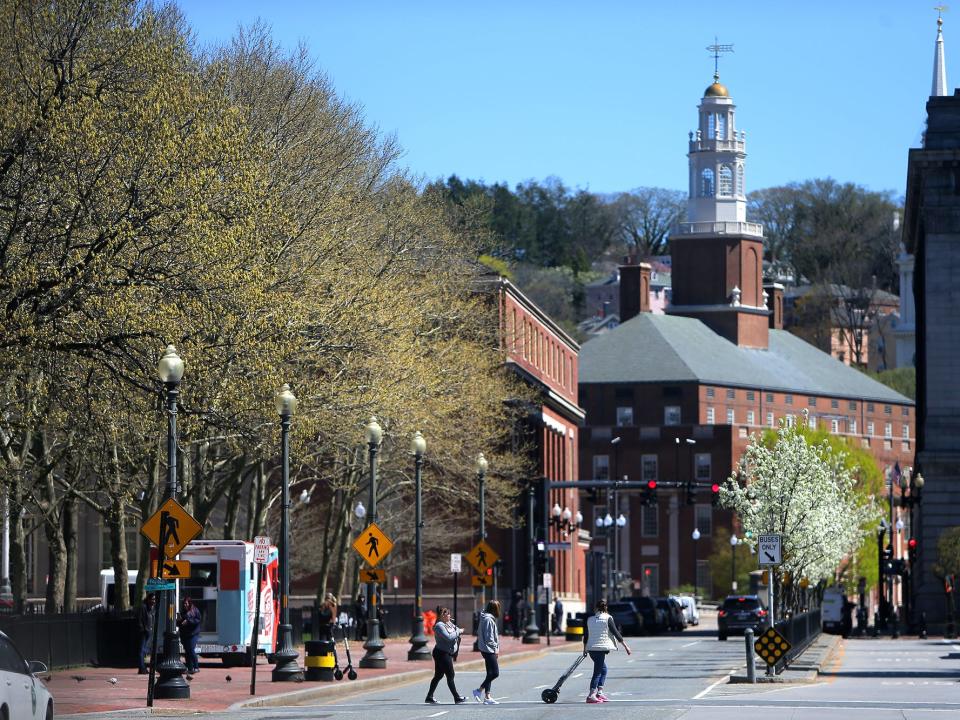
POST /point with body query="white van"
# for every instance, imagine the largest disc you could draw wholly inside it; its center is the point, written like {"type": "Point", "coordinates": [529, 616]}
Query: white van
{"type": "Point", "coordinates": [832, 617]}
{"type": "Point", "coordinates": [691, 612]}
{"type": "Point", "coordinates": [108, 599]}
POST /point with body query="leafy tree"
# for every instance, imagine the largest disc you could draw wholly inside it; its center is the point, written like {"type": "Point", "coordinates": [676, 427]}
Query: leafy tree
{"type": "Point", "coordinates": [645, 216]}
{"type": "Point", "coordinates": [903, 380]}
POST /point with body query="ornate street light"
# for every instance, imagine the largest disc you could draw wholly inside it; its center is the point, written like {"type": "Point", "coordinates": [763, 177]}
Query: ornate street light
{"type": "Point", "coordinates": [696, 536]}
{"type": "Point", "coordinates": [418, 639]}
{"type": "Point", "coordinates": [734, 541]}
{"type": "Point", "coordinates": [374, 657]}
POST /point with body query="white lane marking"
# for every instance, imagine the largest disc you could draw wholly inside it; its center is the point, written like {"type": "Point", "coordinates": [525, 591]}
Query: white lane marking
{"type": "Point", "coordinates": [442, 712]}
{"type": "Point", "coordinates": [689, 644]}
{"type": "Point", "coordinates": [541, 687]}
{"type": "Point", "coordinates": [630, 661]}
{"type": "Point", "coordinates": [721, 680]}
{"type": "Point", "coordinates": [578, 675]}
{"type": "Point", "coordinates": [650, 654]}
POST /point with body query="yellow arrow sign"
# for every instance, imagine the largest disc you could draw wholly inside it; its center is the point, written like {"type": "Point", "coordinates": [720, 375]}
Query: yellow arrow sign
{"type": "Point", "coordinates": [373, 575]}
{"type": "Point", "coordinates": [482, 581]}
{"type": "Point", "coordinates": [482, 556]}
{"type": "Point", "coordinates": [372, 545]}
{"type": "Point", "coordinates": [171, 569]}
{"type": "Point", "coordinates": [176, 525]}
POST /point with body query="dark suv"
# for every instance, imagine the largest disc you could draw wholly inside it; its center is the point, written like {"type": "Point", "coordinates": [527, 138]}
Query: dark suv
{"type": "Point", "coordinates": [739, 613]}
{"type": "Point", "coordinates": [625, 615]}
{"type": "Point", "coordinates": [654, 619]}
{"type": "Point", "coordinates": [673, 613]}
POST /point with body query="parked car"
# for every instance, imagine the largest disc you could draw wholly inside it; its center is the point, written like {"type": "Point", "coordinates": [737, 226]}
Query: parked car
{"type": "Point", "coordinates": [627, 617]}
{"type": "Point", "coordinates": [654, 619]}
{"type": "Point", "coordinates": [673, 612]}
{"type": "Point", "coordinates": [691, 612]}
{"type": "Point", "coordinates": [738, 613]}
{"type": "Point", "coordinates": [835, 612]}
{"type": "Point", "coordinates": [22, 693]}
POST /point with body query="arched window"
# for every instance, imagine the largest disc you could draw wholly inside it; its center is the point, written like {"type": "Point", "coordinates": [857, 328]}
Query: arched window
{"type": "Point", "coordinates": [711, 126]}
{"type": "Point", "coordinates": [726, 181]}
{"type": "Point", "coordinates": [740, 189]}
{"type": "Point", "coordinates": [721, 127]}
{"type": "Point", "coordinates": [706, 183]}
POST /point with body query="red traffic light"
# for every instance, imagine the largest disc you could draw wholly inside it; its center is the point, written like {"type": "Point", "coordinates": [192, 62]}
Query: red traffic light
{"type": "Point", "coordinates": [489, 571]}
{"type": "Point", "coordinates": [912, 543]}
{"type": "Point", "coordinates": [715, 488]}
{"type": "Point", "coordinates": [647, 572]}
{"type": "Point", "coordinates": [652, 484]}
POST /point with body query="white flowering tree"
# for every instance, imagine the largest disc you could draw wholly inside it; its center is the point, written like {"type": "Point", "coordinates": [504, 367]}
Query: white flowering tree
{"type": "Point", "coordinates": [806, 493]}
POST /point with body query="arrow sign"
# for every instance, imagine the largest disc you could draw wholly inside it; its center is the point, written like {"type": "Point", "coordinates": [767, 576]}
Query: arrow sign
{"type": "Point", "coordinates": [771, 549]}
{"type": "Point", "coordinates": [770, 558]}
{"type": "Point", "coordinates": [373, 575]}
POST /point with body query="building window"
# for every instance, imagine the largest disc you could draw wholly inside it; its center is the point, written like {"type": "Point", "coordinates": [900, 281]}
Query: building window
{"type": "Point", "coordinates": [869, 407]}
{"type": "Point", "coordinates": [721, 127]}
{"type": "Point", "coordinates": [601, 467]}
{"type": "Point", "coordinates": [624, 416]}
{"type": "Point", "coordinates": [790, 420]}
{"type": "Point", "coordinates": [834, 426]}
{"type": "Point", "coordinates": [852, 405]}
{"type": "Point", "coordinates": [870, 429]}
{"type": "Point", "coordinates": [671, 415]}
{"type": "Point", "coordinates": [741, 190]}
{"type": "Point", "coordinates": [834, 404]}
{"type": "Point", "coordinates": [649, 521]}
{"type": "Point", "coordinates": [812, 422]}
{"type": "Point", "coordinates": [704, 520]}
{"type": "Point", "coordinates": [731, 416]}
{"type": "Point", "coordinates": [648, 467]}
{"type": "Point", "coordinates": [887, 409]}
{"type": "Point", "coordinates": [706, 183]}
{"type": "Point", "coordinates": [750, 395]}
{"type": "Point", "coordinates": [726, 181]}
{"type": "Point", "coordinates": [905, 411]}
{"type": "Point", "coordinates": [812, 401]}
{"type": "Point", "coordinates": [710, 392]}
{"type": "Point", "coordinates": [852, 424]}
{"type": "Point", "coordinates": [788, 399]}
{"type": "Point", "coordinates": [906, 431]}
{"type": "Point", "coordinates": [750, 417]}
{"type": "Point", "coordinates": [888, 430]}
{"type": "Point", "coordinates": [702, 467]}
{"type": "Point", "coordinates": [731, 394]}
{"type": "Point", "coordinates": [769, 397]}
{"type": "Point", "coordinates": [650, 583]}
{"type": "Point", "coordinates": [711, 416]}
{"type": "Point", "coordinates": [771, 422]}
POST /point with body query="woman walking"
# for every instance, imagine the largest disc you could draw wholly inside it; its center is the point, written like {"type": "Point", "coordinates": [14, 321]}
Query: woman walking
{"type": "Point", "coordinates": [488, 642]}
{"type": "Point", "coordinates": [601, 637]}
{"type": "Point", "coordinates": [447, 645]}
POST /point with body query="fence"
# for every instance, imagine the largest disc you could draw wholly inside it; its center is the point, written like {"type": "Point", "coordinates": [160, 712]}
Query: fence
{"type": "Point", "coordinates": [75, 638]}
{"type": "Point", "coordinates": [799, 630]}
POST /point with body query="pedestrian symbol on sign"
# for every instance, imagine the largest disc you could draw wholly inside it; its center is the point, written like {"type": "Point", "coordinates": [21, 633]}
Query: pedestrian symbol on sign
{"type": "Point", "coordinates": [372, 545]}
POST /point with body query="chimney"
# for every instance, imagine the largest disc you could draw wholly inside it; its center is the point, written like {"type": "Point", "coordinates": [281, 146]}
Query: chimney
{"type": "Point", "coordinates": [634, 290]}
{"type": "Point", "coordinates": [773, 298]}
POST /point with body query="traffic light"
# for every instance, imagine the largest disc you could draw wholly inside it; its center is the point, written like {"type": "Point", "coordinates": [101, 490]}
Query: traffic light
{"type": "Point", "coordinates": [715, 494]}
{"type": "Point", "coordinates": [650, 493]}
{"type": "Point", "coordinates": [691, 493]}
{"type": "Point", "coordinates": [912, 550]}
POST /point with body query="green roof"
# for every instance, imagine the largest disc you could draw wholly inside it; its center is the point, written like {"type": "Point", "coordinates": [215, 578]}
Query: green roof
{"type": "Point", "coordinates": [669, 348]}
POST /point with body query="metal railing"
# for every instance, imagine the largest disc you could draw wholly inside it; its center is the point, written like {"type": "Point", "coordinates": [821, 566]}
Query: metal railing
{"type": "Point", "coordinates": [719, 228]}
{"type": "Point", "coordinates": [800, 630]}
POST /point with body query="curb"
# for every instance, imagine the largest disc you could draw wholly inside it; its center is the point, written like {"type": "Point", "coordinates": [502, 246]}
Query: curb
{"type": "Point", "coordinates": [805, 669]}
{"type": "Point", "coordinates": [341, 689]}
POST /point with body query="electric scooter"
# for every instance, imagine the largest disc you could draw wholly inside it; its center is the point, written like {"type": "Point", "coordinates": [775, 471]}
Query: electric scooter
{"type": "Point", "coordinates": [550, 695]}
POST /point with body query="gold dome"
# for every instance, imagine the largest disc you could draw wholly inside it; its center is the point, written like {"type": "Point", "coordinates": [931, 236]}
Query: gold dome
{"type": "Point", "coordinates": [716, 90]}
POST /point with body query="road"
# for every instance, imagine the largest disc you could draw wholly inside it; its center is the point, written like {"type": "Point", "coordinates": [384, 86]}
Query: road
{"type": "Point", "coordinates": [683, 676]}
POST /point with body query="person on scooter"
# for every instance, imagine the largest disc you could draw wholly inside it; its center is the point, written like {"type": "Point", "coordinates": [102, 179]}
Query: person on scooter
{"type": "Point", "coordinates": [601, 637]}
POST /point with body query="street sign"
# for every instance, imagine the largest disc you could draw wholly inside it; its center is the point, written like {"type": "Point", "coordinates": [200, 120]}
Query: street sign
{"type": "Point", "coordinates": [261, 549]}
{"type": "Point", "coordinates": [482, 556]}
{"type": "Point", "coordinates": [548, 580]}
{"type": "Point", "coordinates": [456, 563]}
{"type": "Point", "coordinates": [373, 575]}
{"type": "Point", "coordinates": [770, 548]}
{"type": "Point", "coordinates": [177, 525]}
{"type": "Point", "coordinates": [157, 584]}
{"type": "Point", "coordinates": [171, 569]}
{"type": "Point", "coordinates": [481, 581]}
{"type": "Point", "coordinates": [372, 545]}
{"type": "Point", "coordinates": [771, 646]}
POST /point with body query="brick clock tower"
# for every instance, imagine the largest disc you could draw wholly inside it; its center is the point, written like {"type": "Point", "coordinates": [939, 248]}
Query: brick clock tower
{"type": "Point", "coordinates": [718, 255]}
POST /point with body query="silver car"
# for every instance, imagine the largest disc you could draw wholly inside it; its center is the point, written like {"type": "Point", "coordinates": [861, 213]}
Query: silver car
{"type": "Point", "coordinates": [22, 694]}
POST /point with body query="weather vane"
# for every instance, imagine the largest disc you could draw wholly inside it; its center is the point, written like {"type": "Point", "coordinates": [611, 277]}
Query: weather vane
{"type": "Point", "coordinates": [716, 49]}
{"type": "Point", "coordinates": [941, 9]}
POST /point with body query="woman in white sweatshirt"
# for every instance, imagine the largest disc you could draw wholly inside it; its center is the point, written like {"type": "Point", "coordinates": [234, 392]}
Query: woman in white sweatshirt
{"type": "Point", "coordinates": [601, 637]}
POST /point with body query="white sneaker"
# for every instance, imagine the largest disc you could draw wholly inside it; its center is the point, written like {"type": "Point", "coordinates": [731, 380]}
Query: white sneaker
{"type": "Point", "coordinates": [490, 701]}
{"type": "Point", "coordinates": [478, 695]}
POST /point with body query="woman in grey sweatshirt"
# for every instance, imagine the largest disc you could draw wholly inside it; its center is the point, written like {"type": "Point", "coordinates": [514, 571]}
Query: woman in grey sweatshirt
{"type": "Point", "coordinates": [488, 643]}
{"type": "Point", "coordinates": [447, 642]}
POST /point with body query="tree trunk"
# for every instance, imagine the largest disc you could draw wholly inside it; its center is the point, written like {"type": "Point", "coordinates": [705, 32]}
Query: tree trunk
{"type": "Point", "coordinates": [116, 521]}
{"type": "Point", "coordinates": [56, 549]}
{"type": "Point", "coordinates": [70, 526]}
{"type": "Point", "coordinates": [260, 500]}
{"type": "Point", "coordinates": [149, 503]}
{"type": "Point", "coordinates": [233, 510]}
{"type": "Point", "coordinates": [18, 555]}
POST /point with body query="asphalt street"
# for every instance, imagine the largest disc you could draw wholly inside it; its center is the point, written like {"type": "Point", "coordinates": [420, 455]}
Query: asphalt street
{"type": "Point", "coordinates": [683, 676]}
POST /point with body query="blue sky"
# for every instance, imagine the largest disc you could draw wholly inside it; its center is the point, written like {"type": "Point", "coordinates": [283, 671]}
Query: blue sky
{"type": "Point", "coordinates": [603, 94]}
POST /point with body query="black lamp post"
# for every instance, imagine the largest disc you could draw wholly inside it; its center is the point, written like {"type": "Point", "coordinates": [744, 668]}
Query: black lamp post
{"type": "Point", "coordinates": [418, 639]}
{"type": "Point", "coordinates": [481, 468]}
{"type": "Point", "coordinates": [734, 541]}
{"type": "Point", "coordinates": [531, 633]}
{"type": "Point", "coordinates": [286, 668]}
{"type": "Point", "coordinates": [374, 657]}
{"type": "Point", "coordinates": [695, 535]}
{"type": "Point", "coordinates": [171, 685]}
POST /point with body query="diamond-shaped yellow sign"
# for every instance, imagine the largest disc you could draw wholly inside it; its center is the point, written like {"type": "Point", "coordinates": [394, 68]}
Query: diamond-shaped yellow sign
{"type": "Point", "coordinates": [372, 545]}
{"type": "Point", "coordinates": [771, 646]}
{"type": "Point", "coordinates": [482, 556]}
{"type": "Point", "coordinates": [174, 524]}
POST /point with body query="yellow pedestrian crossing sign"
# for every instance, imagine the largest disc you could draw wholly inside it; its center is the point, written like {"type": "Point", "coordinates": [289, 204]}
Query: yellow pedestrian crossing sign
{"type": "Point", "coordinates": [482, 556]}
{"type": "Point", "coordinates": [771, 646]}
{"type": "Point", "coordinates": [174, 525]}
{"type": "Point", "coordinates": [372, 545]}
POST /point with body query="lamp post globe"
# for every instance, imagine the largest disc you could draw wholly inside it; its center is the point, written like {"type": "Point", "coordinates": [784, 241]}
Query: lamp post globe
{"type": "Point", "coordinates": [360, 511]}
{"type": "Point", "coordinates": [579, 517]}
{"type": "Point", "coordinates": [695, 534]}
{"type": "Point", "coordinates": [286, 667]}
{"type": "Point", "coordinates": [418, 639]}
{"type": "Point", "coordinates": [374, 657]}
{"type": "Point", "coordinates": [566, 514]}
{"type": "Point", "coordinates": [918, 481]}
{"type": "Point", "coordinates": [170, 684]}
{"type": "Point", "coordinates": [557, 511]}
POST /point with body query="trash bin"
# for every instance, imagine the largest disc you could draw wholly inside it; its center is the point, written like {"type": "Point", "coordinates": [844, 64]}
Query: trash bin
{"type": "Point", "coordinates": [319, 661]}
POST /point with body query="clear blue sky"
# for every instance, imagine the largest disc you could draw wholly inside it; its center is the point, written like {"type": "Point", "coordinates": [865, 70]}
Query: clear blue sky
{"type": "Point", "coordinates": [602, 94]}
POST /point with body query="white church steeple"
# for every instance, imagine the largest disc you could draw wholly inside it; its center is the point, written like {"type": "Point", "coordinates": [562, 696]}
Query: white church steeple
{"type": "Point", "coordinates": [939, 65]}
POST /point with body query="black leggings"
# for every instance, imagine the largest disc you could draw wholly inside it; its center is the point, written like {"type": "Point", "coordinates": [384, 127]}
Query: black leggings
{"type": "Point", "coordinates": [493, 670]}
{"type": "Point", "coordinates": [443, 665]}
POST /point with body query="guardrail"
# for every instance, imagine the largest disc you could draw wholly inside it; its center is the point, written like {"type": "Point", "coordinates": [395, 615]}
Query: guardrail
{"type": "Point", "coordinates": [799, 630]}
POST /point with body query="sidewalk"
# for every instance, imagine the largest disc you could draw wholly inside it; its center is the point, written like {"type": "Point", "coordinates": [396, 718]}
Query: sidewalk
{"type": "Point", "coordinates": [215, 687]}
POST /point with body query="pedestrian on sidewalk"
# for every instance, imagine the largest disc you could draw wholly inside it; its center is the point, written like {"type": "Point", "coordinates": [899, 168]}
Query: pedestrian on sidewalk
{"type": "Point", "coordinates": [515, 612]}
{"type": "Point", "coordinates": [488, 643]}
{"type": "Point", "coordinates": [327, 617]}
{"type": "Point", "coordinates": [189, 625]}
{"type": "Point", "coordinates": [360, 614]}
{"type": "Point", "coordinates": [447, 636]}
{"type": "Point", "coordinates": [145, 624]}
{"type": "Point", "coordinates": [601, 637]}
{"type": "Point", "coordinates": [557, 617]}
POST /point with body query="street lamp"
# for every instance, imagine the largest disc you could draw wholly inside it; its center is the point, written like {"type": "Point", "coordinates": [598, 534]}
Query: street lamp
{"type": "Point", "coordinates": [171, 685]}
{"type": "Point", "coordinates": [286, 668]}
{"type": "Point", "coordinates": [734, 541]}
{"type": "Point", "coordinates": [480, 466]}
{"type": "Point", "coordinates": [531, 633]}
{"type": "Point", "coordinates": [374, 657]}
{"type": "Point", "coordinates": [696, 536]}
{"type": "Point", "coordinates": [418, 640]}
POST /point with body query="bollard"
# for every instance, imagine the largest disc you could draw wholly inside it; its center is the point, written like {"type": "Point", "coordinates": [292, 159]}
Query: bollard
{"type": "Point", "coordinates": [751, 668]}
{"type": "Point", "coordinates": [319, 661]}
{"type": "Point", "coordinates": [574, 629]}
{"type": "Point", "coordinates": [895, 622]}
{"type": "Point", "coordinates": [923, 625]}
